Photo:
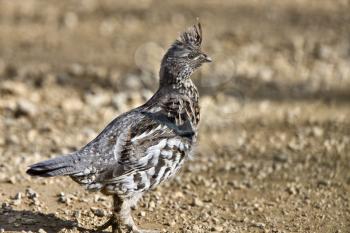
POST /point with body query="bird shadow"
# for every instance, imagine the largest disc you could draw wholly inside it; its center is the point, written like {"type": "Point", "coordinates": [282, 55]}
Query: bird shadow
{"type": "Point", "coordinates": [24, 220]}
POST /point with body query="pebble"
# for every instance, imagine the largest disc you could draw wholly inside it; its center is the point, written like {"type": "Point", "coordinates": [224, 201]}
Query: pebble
{"type": "Point", "coordinates": [98, 212]}
{"type": "Point", "coordinates": [72, 104]}
{"type": "Point", "coordinates": [323, 183]}
{"type": "Point", "coordinates": [18, 196]}
{"type": "Point", "coordinates": [217, 228]}
{"type": "Point", "coordinates": [292, 190]}
{"type": "Point", "coordinates": [142, 214]}
{"type": "Point", "coordinates": [77, 214]}
{"type": "Point", "coordinates": [71, 20]}
{"type": "Point", "coordinates": [179, 194]}
{"type": "Point", "coordinates": [98, 198]}
{"type": "Point", "coordinates": [281, 158]}
{"type": "Point", "coordinates": [133, 82]}
{"type": "Point", "coordinates": [196, 228]}
{"type": "Point", "coordinates": [25, 108]}
{"type": "Point", "coordinates": [152, 204]}
{"type": "Point", "coordinates": [41, 230]}
{"type": "Point", "coordinates": [17, 199]}
{"type": "Point", "coordinates": [76, 69]}
{"type": "Point", "coordinates": [317, 131]}
{"type": "Point", "coordinates": [11, 220]}
{"type": "Point", "coordinates": [197, 202]}
{"type": "Point", "coordinates": [62, 198]}
{"type": "Point", "coordinates": [119, 101]}
{"type": "Point", "coordinates": [6, 206]}
{"type": "Point", "coordinates": [258, 224]}
{"type": "Point", "coordinates": [31, 194]}
{"type": "Point", "coordinates": [98, 100]}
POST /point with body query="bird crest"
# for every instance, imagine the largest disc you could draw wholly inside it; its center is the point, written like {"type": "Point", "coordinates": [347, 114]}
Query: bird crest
{"type": "Point", "coordinates": [192, 36]}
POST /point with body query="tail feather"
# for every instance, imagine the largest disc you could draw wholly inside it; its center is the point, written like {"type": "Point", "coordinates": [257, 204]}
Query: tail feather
{"type": "Point", "coordinates": [61, 166]}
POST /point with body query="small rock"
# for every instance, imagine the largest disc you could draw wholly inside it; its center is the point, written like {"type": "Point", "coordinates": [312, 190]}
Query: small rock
{"type": "Point", "coordinates": [98, 100]}
{"type": "Point", "coordinates": [133, 82]}
{"type": "Point", "coordinates": [281, 158]}
{"type": "Point", "coordinates": [71, 20]}
{"type": "Point", "coordinates": [25, 108]}
{"type": "Point", "coordinates": [98, 212]}
{"type": "Point", "coordinates": [76, 69]}
{"type": "Point", "coordinates": [18, 196]}
{"type": "Point", "coordinates": [77, 214]}
{"type": "Point", "coordinates": [36, 202]}
{"type": "Point", "coordinates": [195, 228]}
{"type": "Point", "coordinates": [323, 183]}
{"type": "Point", "coordinates": [72, 104]}
{"type": "Point", "coordinates": [29, 221]}
{"type": "Point", "coordinates": [13, 179]}
{"type": "Point", "coordinates": [62, 198]}
{"type": "Point", "coordinates": [152, 204]}
{"type": "Point", "coordinates": [172, 223]}
{"type": "Point", "coordinates": [100, 198]}
{"type": "Point", "coordinates": [16, 202]}
{"type": "Point", "coordinates": [41, 230]}
{"type": "Point", "coordinates": [217, 228]}
{"type": "Point", "coordinates": [178, 194]}
{"type": "Point", "coordinates": [258, 224]}
{"type": "Point", "coordinates": [11, 220]}
{"type": "Point", "coordinates": [142, 214]}
{"type": "Point", "coordinates": [197, 202]}
{"type": "Point", "coordinates": [119, 101]}
{"type": "Point", "coordinates": [6, 206]}
{"type": "Point", "coordinates": [14, 88]}
{"type": "Point", "coordinates": [317, 131]}
{"type": "Point", "coordinates": [31, 194]}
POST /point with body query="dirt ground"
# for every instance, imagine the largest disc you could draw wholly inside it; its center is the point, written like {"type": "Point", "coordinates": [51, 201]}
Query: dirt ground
{"type": "Point", "coordinates": [274, 148]}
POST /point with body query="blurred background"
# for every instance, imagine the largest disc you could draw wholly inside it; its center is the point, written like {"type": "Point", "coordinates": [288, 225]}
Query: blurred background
{"type": "Point", "coordinates": [273, 154]}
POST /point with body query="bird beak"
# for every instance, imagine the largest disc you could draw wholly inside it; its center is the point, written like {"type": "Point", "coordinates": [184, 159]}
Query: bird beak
{"type": "Point", "coordinates": [207, 58]}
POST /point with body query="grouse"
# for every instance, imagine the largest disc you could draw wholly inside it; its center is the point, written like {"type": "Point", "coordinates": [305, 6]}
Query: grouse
{"type": "Point", "coordinates": [145, 146]}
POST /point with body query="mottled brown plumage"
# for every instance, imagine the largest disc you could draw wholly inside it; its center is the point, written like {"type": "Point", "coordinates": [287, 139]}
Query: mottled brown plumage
{"type": "Point", "coordinates": [145, 146]}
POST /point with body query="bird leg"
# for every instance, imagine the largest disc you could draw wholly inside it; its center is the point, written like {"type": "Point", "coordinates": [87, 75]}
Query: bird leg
{"type": "Point", "coordinates": [128, 220]}
{"type": "Point", "coordinates": [114, 220]}
{"type": "Point", "coordinates": [122, 218]}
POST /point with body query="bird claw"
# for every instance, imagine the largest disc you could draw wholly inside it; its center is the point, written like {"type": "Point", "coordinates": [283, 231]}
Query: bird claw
{"type": "Point", "coordinates": [111, 222]}
{"type": "Point", "coordinates": [116, 227]}
{"type": "Point", "coordinates": [145, 231]}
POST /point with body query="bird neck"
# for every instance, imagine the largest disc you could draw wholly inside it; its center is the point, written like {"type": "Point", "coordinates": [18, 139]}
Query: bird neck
{"type": "Point", "coordinates": [179, 82]}
{"type": "Point", "coordinates": [173, 73]}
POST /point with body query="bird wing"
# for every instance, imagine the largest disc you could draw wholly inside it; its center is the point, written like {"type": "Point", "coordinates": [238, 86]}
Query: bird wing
{"type": "Point", "coordinates": [142, 145]}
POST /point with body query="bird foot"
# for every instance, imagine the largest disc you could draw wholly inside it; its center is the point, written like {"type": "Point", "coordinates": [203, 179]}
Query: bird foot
{"type": "Point", "coordinates": [111, 222]}
{"type": "Point", "coordinates": [129, 227]}
{"type": "Point", "coordinates": [137, 230]}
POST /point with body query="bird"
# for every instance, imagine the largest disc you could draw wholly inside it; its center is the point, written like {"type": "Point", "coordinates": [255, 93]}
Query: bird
{"type": "Point", "coordinates": [141, 148]}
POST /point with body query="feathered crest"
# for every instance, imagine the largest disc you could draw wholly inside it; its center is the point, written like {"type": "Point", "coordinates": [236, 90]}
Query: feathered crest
{"type": "Point", "coordinates": [192, 36]}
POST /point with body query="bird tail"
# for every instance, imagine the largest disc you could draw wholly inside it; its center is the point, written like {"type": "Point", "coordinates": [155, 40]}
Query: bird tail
{"type": "Point", "coordinates": [60, 166]}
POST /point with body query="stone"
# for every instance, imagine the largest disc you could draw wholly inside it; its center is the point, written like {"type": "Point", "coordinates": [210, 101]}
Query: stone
{"type": "Point", "coordinates": [197, 202]}
{"type": "Point", "coordinates": [217, 228]}
{"type": "Point", "coordinates": [72, 104]}
{"type": "Point", "coordinates": [25, 108]}
{"type": "Point", "coordinates": [31, 194]}
{"type": "Point", "coordinates": [259, 225]}
{"type": "Point", "coordinates": [98, 212]}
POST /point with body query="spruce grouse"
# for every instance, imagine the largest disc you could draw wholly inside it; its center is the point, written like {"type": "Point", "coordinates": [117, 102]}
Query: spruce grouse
{"type": "Point", "coordinates": [141, 148]}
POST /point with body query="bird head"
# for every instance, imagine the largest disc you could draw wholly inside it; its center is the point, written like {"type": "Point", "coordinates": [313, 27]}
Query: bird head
{"type": "Point", "coordinates": [184, 56]}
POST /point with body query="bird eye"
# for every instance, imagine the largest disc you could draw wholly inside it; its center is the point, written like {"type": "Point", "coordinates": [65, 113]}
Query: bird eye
{"type": "Point", "coordinates": [191, 55]}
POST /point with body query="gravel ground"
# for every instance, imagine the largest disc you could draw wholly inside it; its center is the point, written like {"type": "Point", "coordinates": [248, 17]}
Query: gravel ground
{"type": "Point", "coordinates": [274, 148]}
